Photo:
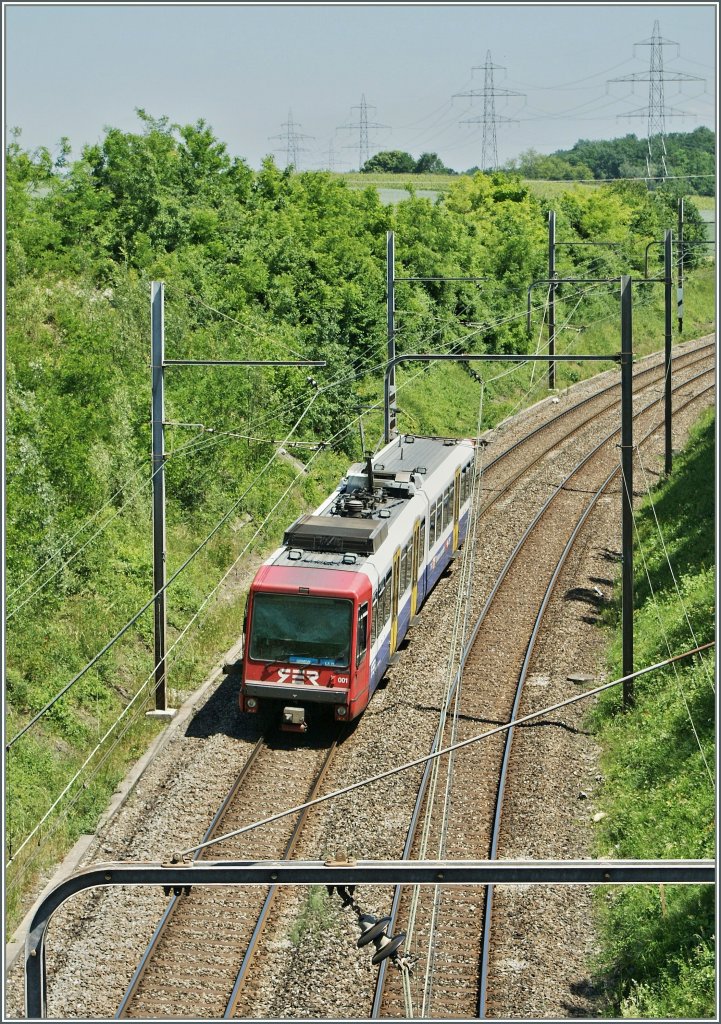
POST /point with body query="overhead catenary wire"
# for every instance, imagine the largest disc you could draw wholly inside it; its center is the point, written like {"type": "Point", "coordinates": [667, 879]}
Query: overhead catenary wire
{"type": "Point", "coordinates": [417, 762]}
{"type": "Point", "coordinates": [170, 654]}
{"type": "Point", "coordinates": [148, 604]}
{"type": "Point", "coordinates": [145, 607]}
{"type": "Point", "coordinates": [79, 551]}
{"type": "Point", "coordinates": [79, 530]}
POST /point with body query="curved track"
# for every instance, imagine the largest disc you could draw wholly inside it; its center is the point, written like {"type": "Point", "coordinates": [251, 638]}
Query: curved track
{"type": "Point", "coordinates": [453, 958]}
{"type": "Point", "coordinates": [198, 961]}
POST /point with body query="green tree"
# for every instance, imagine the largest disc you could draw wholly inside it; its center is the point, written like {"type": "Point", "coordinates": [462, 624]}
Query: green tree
{"type": "Point", "coordinates": [392, 161]}
{"type": "Point", "coordinates": [431, 163]}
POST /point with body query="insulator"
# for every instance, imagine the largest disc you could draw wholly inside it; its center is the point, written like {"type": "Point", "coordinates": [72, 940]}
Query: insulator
{"type": "Point", "coordinates": [374, 929]}
{"type": "Point", "coordinates": [388, 948]}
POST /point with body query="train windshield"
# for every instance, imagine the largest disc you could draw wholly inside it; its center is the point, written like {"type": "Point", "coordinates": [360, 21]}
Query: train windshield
{"type": "Point", "coordinates": [301, 630]}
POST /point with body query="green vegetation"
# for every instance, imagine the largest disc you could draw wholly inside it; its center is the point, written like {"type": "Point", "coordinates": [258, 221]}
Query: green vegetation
{"type": "Point", "coordinates": [314, 917]}
{"type": "Point", "coordinates": [396, 161]}
{"type": "Point", "coordinates": [411, 181]}
{"type": "Point", "coordinates": [658, 791]}
{"type": "Point", "coordinates": [256, 265]}
{"type": "Point", "coordinates": [691, 153]}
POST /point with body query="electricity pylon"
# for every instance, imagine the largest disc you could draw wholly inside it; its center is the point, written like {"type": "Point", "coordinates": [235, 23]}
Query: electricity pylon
{"type": "Point", "coordinates": [656, 112]}
{"type": "Point", "coordinates": [291, 137]}
{"type": "Point", "coordinates": [489, 146]}
{"type": "Point", "coordinates": [363, 125]}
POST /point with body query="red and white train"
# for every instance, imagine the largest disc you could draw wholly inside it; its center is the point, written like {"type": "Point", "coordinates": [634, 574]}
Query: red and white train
{"type": "Point", "coordinates": [327, 611]}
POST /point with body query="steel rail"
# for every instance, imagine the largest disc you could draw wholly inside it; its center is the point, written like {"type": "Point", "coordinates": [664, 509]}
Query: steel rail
{"type": "Point", "coordinates": [242, 975]}
{"type": "Point", "coordinates": [609, 405]}
{"type": "Point", "coordinates": [380, 981]}
{"type": "Point", "coordinates": [178, 896]}
{"type": "Point", "coordinates": [508, 738]}
{"type": "Point", "coordinates": [375, 1011]}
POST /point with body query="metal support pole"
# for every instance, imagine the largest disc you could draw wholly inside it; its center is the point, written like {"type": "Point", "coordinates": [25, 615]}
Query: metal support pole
{"type": "Point", "coordinates": [265, 873]}
{"type": "Point", "coordinates": [390, 411]}
{"type": "Point", "coordinates": [627, 484]}
{"type": "Point", "coordinates": [552, 298]}
{"type": "Point", "coordinates": [157, 290]}
{"type": "Point", "coordinates": [668, 294]}
{"type": "Point", "coordinates": [679, 294]}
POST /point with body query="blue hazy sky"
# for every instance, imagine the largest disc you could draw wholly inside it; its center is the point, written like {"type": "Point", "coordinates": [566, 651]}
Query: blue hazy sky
{"type": "Point", "coordinates": [73, 70]}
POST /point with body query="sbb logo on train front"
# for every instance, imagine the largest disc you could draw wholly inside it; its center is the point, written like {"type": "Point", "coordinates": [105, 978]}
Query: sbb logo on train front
{"type": "Point", "coordinates": [298, 675]}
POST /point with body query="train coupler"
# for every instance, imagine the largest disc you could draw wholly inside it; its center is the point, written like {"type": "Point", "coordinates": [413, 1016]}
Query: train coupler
{"type": "Point", "coordinates": [293, 720]}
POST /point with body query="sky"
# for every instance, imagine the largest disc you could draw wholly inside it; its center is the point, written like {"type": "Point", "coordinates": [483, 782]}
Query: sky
{"type": "Point", "coordinates": [251, 70]}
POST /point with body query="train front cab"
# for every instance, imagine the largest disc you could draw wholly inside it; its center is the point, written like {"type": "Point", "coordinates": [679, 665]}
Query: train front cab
{"type": "Point", "coordinates": [306, 645]}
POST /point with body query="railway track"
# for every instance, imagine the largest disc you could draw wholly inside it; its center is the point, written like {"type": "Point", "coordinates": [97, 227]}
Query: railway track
{"type": "Point", "coordinates": [199, 956]}
{"type": "Point", "coordinates": [457, 955]}
{"type": "Point", "coordinates": [167, 982]}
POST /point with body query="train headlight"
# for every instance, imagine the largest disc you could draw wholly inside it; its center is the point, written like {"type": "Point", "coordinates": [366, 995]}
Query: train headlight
{"type": "Point", "coordinates": [251, 703]}
{"type": "Point", "coordinates": [342, 711]}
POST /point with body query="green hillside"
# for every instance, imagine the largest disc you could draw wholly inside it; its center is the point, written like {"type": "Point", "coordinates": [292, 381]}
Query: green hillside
{"type": "Point", "coordinates": [262, 265]}
{"type": "Point", "coordinates": [658, 791]}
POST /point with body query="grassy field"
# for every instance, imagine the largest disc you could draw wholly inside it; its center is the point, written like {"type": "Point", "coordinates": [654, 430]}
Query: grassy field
{"type": "Point", "coordinates": [443, 182]}
{"type": "Point", "coordinates": [430, 182]}
{"type": "Point", "coordinates": [705, 202]}
{"type": "Point", "coordinates": [658, 793]}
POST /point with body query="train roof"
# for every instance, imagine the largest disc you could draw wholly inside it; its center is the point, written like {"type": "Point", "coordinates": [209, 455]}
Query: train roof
{"type": "Point", "coordinates": [355, 521]}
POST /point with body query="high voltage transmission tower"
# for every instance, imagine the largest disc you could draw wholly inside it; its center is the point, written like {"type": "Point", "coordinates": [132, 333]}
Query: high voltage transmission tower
{"type": "Point", "coordinates": [333, 160]}
{"type": "Point", "coordinates": [363, 125]}
{"type": "Point", "coordinates": [656, 111]}
{"type": "Point", "coordinates": [291, 137]}
{"type": "Point", "coordinates": [489, 147]}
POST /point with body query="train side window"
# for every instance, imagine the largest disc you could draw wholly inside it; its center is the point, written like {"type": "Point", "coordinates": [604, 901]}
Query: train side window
{"type": "Point", "coordinates": [447, 512]}
{"type": "Point", "coordinates": [422, 551]}
{"type": "Point", "coordinates": [374, 619]}
{"type": "Point", "coordinates": [404, 570]}
{"type": "Point", "coordinates": [386, 598]}
{"type": "Point", "coordinates": [432, 526]}
{"type": "Point", "coordinates": [362, 634]}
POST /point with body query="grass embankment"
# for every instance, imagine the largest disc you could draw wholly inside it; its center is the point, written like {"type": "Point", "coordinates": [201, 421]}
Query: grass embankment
{"type": "Point", "coordinates": [444, 399]}
{"type": "Point", "coordinates": [658, 792]}
{"type": "Point", "coordinates": [41, 764]}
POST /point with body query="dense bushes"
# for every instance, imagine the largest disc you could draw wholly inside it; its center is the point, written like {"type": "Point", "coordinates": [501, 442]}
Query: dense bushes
{"type": "Point", "coordinates": [264, 265]}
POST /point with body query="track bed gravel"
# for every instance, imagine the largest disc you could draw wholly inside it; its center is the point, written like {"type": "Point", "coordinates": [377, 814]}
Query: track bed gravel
{"type": "Point", "coordinates": [96, 940]}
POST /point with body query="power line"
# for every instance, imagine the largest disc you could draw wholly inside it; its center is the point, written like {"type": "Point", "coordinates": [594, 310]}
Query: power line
{"type": "Point", "coordinates": [94, 660]}
{"type": "Point", "coordinates": [434, 755]}
{"type": "Point", "coordinates": [656, 112]}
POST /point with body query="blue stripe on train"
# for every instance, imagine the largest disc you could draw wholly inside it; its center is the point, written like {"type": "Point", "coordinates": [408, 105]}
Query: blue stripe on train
{"type": "Point", "coordinates": [426, 581]}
